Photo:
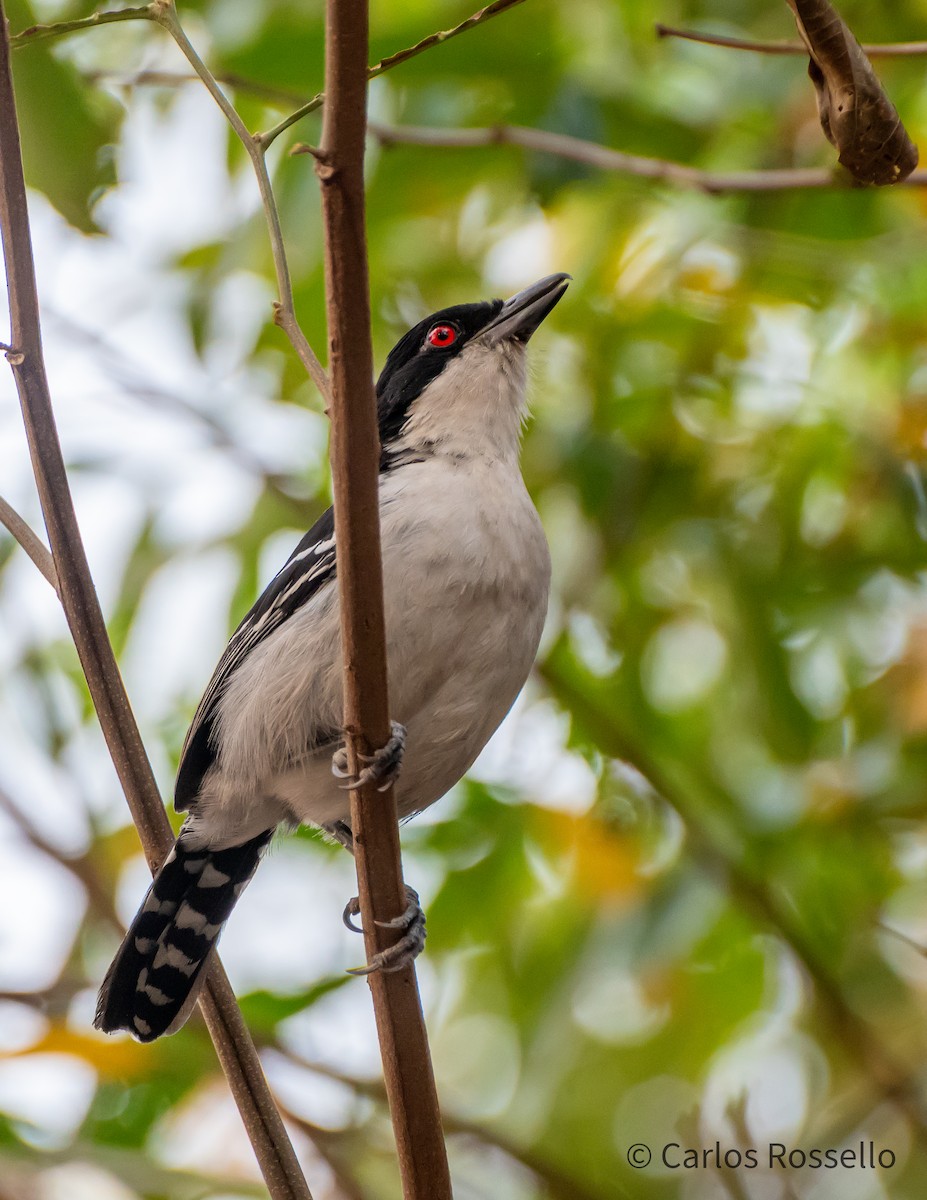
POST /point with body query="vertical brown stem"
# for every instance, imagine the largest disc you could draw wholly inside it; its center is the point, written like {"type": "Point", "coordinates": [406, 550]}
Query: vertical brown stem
{"type": "Point", "coordinates": [82, 609]}
{"type": "Point", "coordinates": [355, 462]}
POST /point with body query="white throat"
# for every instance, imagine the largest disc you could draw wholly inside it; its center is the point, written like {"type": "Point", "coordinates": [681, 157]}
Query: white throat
{"type": "Point", "coordinates": [476, 406]}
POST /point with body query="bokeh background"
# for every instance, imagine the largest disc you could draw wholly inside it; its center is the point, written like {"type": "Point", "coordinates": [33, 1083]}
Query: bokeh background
{"type": "Point", "coordinates": [681, 898]}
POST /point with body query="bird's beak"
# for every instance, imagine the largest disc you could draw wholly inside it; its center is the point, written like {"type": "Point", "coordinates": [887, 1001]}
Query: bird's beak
{"type": "Point", "coordinates": [523, 313]}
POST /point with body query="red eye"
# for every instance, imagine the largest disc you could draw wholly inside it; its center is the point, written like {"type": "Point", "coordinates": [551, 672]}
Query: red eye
{"type": "Point", "coordinates": [442, 335]}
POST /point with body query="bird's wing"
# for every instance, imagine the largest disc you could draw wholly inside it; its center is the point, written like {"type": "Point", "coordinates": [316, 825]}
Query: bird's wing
{"type": "Point", "coordinates": [307, 570]}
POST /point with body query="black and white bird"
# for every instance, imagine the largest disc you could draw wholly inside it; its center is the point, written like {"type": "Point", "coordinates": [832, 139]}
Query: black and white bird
{"type": "Point", "coordinates": [466, 578]}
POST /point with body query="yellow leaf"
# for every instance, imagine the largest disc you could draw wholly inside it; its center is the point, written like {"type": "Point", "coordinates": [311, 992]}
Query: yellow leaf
{"type": "Point", "coordinates": [112, 1058]}
{"type": "Point", "coordinates": [603, 862]}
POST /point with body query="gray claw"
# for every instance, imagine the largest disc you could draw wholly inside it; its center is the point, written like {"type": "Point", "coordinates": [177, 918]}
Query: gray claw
{"type": "Point", "coordinates": [381, 767]}
{"type": "Point", "coordinates": [401, 953]}
{"type": "Point", "coordinates": [340, 764]}
{"type": "Point", "coordinates": [352, 909]}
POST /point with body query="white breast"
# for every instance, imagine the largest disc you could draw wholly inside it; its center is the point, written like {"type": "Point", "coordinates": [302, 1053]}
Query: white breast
{"type": "Point", "coordinates": [466, 579]}
{"type": "Point", "coordinates": [466, 587]}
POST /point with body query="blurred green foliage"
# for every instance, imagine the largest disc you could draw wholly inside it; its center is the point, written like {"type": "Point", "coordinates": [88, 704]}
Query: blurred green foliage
{"type": "Point", "coordinates": [728, 452]}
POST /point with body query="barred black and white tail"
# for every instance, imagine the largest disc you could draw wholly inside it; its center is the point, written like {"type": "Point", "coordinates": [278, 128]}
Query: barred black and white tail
{"type": "Point", "coordinates": [150, 987]}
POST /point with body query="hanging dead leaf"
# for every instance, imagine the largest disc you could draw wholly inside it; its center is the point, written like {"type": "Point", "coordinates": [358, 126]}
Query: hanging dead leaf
{"type": "Point", "coordinates": [856, 115]}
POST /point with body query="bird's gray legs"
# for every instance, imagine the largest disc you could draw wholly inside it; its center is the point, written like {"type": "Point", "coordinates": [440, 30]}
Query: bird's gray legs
{"type": "Point", "coordinates": [401, 953]}
{"type": "Point", "coordinates": [381, 767]}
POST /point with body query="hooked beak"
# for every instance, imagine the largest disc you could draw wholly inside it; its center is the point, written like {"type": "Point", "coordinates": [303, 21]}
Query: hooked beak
{"type": "Point", "coordinates": [523, 313]}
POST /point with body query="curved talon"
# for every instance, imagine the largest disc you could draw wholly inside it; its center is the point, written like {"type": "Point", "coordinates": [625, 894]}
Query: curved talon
{"type": "Point", "coordinates": [403, 952]}
{"type": "Point", "coordinates": [352, 909]}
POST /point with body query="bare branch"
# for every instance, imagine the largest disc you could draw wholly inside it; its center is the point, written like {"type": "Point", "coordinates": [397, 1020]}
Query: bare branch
{"type": "Point", "coordinates": [334, 1146]}
{"type": "Point", "coordinates": [85, 619]}
{"type": "Point", "coordinates": [394, 60]}
{"type": "Point", "coordinates": [29, 540]}
{"type": "Point", "coordinates": [284, 312]}
{"type": "Point", "coordinates": [164, 13]}
{"type": "Point", "coordinates": [871, 49]}
{"type": "Point", "coordinates": [38, 33]}
{"type": "Point", "coordinates": [436, 39]}
{"type": "Point", "coordinates": [605, 159]}
{"type": "Point", "coordinates": [53, 1001]}
{"type": "Point", "coordinates": [355, 454]}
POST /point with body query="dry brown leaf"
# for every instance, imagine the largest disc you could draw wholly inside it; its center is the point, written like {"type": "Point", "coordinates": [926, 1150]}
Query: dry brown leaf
{"type": "Point", "coordinates": [856, 115]}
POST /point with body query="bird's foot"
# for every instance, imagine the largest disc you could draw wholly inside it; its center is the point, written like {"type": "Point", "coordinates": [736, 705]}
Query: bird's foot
{"type": "Point", "coordinates": [401, 953]}
{"type": "Point", "coordinates": [381, 767]}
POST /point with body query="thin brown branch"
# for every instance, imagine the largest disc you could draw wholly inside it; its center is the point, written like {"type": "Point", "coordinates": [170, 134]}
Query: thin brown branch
{"type": "Point", "coordinates": [871, 49]}
{"type": "Point", "coordinates": [284, 312]}
{"type": "Point", "coordinates": [152, 12]}
{"type": "Point", "coordinates": [603, 158]}
{"type": "Point", "coordinates": [436, 39]}
{"type": "Point", "coordinates": [355, 454]}
{"type": "Point", "coordinates": [53, 1001]}
{"type": "Point", "coordinates": [164, 13]}
{"type": "Point", "coordinates": [29, 540]}
{"type": "Point", "coordinates": [38, 33]}
{"type": "Point", "coordinates": [394, 60]}
{"type": "Point", "coordinates": [248, 1085]}
{"type": "Point", "coordinates": [333, 1146]}
{"type": "Point", "coordinates": [85, 619]}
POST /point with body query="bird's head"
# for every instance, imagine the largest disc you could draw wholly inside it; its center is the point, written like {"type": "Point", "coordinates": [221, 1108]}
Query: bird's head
{"type": "Point", "coordinates": [456, 381]}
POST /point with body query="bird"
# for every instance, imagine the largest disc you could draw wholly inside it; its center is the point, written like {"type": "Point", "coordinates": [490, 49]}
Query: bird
{"type": "Point", "coordinates": [466, 578]}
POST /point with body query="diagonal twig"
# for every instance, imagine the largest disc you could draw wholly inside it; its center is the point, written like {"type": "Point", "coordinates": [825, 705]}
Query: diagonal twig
{"type": "Point", "coordinates": [333, 1145]}
{"type": "Point", "coordinates": [394, 60]}
{"type": "Point", "coordinates": [150, 12]}
{"type": "Point", "coordinates": [284, 312]}
{"type": "Point", "coordinates": [603, 158]}
{"type": "Point", "coordinates": [164, 13]}
{"type": "Point", "coordinates": [39, 33]}
{"type": "Point", "coordinates": [871, 49]}
{"type": "Point", "coordinates": [29, 540]}
{"type": "Point", "coordinates": [85, 619]}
